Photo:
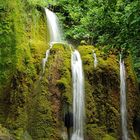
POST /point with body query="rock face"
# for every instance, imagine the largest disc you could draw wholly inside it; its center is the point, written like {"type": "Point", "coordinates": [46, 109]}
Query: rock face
{"type": "Point", "coordinates": [33, 105]}
{"type": "Point", "coordinates": [51, 96]}
{"type": "Point", "coordinates": [102, 87]}
{"type": "Point", "coordinates": [23, 34]}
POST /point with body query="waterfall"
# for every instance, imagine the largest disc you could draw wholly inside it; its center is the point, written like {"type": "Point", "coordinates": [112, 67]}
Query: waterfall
{"type": "Point", "coordinates": [54, 33]}
{"type": "Point", "coordinates": [95, 59]}
{"type": "Point", "coordinates": [123, 100]}
{"type": "Point", "coordinates": [53, 26]}
{"type": "Point", "coordinates": [44, 60]}
{"type": "Point", "coordinates": [78, 96]}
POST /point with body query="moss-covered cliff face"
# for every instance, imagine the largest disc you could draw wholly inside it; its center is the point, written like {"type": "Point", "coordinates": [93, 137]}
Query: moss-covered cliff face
{"type": "Point", "coordinates": [23, 43]}
{"type": "Point", "coordinates": [33, 104]}
{"type": "Point", "coordinates": [23, 33]}
{"type": "Point", "coordinates": [102, 91]}
{"type": "Point", "coordinates": [51, 95]}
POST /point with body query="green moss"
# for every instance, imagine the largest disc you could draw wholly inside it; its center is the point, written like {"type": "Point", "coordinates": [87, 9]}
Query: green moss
{"type": "Point", "coordinates": [26, 136]}
{"type": "Point", "coordinates": [50, 96]}
{"type": "Point", "coordinates": [19, 30]}
{"type": "Point", "coordinates": [32, 103]}
{"type": "Point", "coordinates": [108, 137]}
{"type": "Point", "coordinates": [102, 90]}
{"type": "Point", "coordinates": [62, 54]}
{"type": "Point", "coordinates": [95, 132]}
{"type": "Point", "coordinates": [7, 43]}
{"type": "Point", "coordinates": [4, 133]}
{"type": "Point", "coordinates": [24, 44]}
{"type": "Point", "coordinates": [132, 95]}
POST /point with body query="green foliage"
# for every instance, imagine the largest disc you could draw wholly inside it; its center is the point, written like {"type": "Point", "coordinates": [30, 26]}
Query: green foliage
{"type": "Point", "coordinates": [102, 92]}
{"type": "Point", "coordinates": [23, 42]}
{"type": "Point", "coordinates": [111, 23]}
{"type": "Point", "coordinates": [108, 137]}
{"type": "Point", "coordinates": [38, 2]}
{"type": "Point", "coordinates": [62, 53]}
{"type": "Point", "coordinates": [38, 107]}
{"type": "Point", "coordinates": [103, 21]}
{"type": "Point", "coordinates": [3, 131]}
{"type": "Point", "coordinates": [7, 44]}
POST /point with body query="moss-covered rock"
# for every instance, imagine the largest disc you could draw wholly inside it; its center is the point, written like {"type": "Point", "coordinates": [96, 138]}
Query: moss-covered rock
{"type": "Point", "coordinates": [23, 44]}
{"type": "Point", "coordinates": [33, 104]}
{"type": "Point", "coordinates": [52, 93]}
{"type": "Point", "coordinates": [4, 134]}
{"type": "Point", "coordinates": [102, 89]}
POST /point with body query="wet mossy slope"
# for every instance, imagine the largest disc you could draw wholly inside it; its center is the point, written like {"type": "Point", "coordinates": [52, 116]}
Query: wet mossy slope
{"type": "Point", "coordinates": [102, 92]}
{"type": "Point", "coordinates": [52, 95]}
{"type": "Point", "coordinates": [33, 104]}
{"type": "Point", "coordinates": [23, 43]}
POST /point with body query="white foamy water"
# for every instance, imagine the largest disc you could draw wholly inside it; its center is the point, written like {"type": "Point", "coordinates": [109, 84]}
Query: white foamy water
{"type": "Point", "coordinates": [78, 96]}
{"type": "Point", "coordinates": [54, 33]}
{"type": "Point", "coordinates": [123, 102]}
{"type": "Point", "coordinates": [44, 60]}
{"type": "Point", "coordinates": [53, 26]}
{"type": "Point", "coordinates": [95, 59]}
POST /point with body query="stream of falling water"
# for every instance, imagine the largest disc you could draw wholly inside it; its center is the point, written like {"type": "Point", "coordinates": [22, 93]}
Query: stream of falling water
{"type": "Point", "coordinates": [123, 100]}
{"type": "Point", "coordinates": [95, 59]}
{"type": "Point", "coordinates": [53, 26]}
{"type": "Point", "coordinates": [54, 33]}
{"type": "Point", "coordinates": [78, 96]}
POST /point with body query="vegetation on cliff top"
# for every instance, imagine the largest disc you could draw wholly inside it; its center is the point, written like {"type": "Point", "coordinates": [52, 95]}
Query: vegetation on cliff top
{"type": "Point", "coordinates": [111, 23]}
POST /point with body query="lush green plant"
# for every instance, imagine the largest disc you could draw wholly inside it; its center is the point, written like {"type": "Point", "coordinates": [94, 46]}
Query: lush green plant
{"type": "Point", "coordinates": [115, 24]}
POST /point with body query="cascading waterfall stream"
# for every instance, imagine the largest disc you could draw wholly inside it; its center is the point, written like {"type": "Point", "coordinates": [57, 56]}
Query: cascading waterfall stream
{"type": "Point", "coordinates": [95, 59]}
{"type": "Point", "coordinates": [123, 100]}
{"type": "Point", "coordinates": [53, 26]}
{"type": "Point", "coordinates": [78, 96]}
{"type": "Point", "coordinates": [44, 60]}
{"type": "Point", "coordinates": [54, 33]}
